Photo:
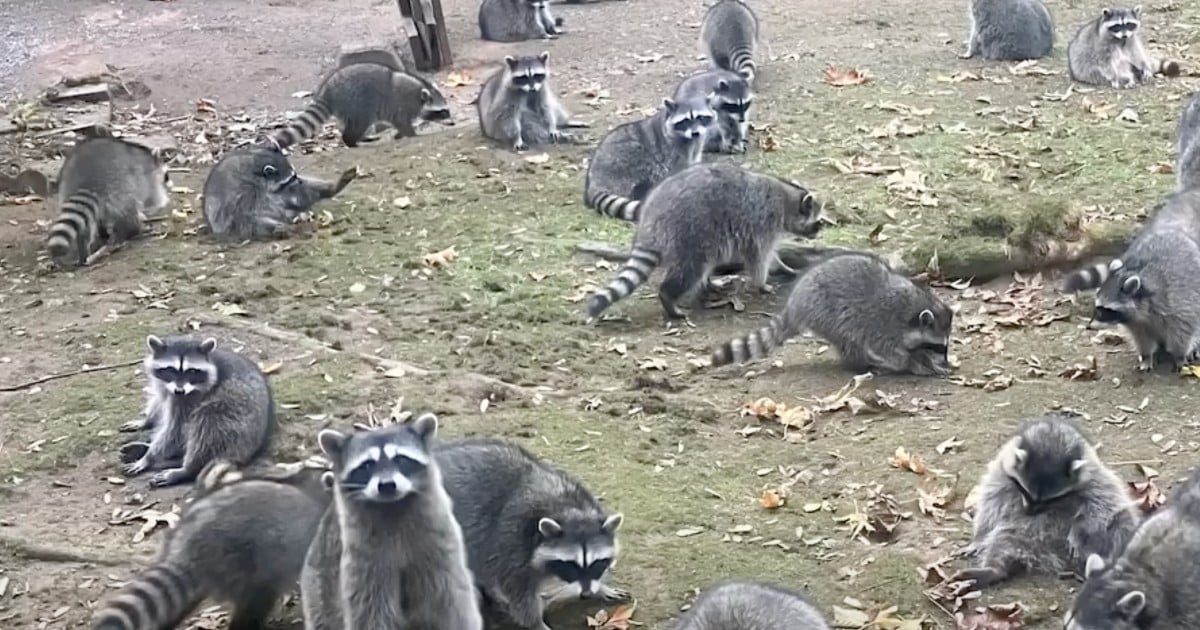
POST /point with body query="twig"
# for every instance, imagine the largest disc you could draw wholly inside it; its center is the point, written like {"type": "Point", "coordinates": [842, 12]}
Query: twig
{"type": "Point", "coordinates": [935, 602]}
{"type": "Point", "coordinates": [44, 553]}
{"type": "Point", "coordinates": [54, 377]}
{"type": "Point", "coordinates": [1135, 462]}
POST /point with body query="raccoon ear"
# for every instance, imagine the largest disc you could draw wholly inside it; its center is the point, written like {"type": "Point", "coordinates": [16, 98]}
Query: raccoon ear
{"type": "Point", "coordinates": [926, 318]}
{"type": "Point", "coordinates": [549, 527]}
{"type": "Point", "coordinates": [613, 523]}
{"type": "Point", "coordinates": [154, 343]}
{"type": "Point", "coordinates": [331, 442]}
{"type": "Point", "coordinates": [1077, 465]}
{"type": "Point", "coordinates": [327, 479]}
{"type": "Point", "coordinates": [1115, 264]}
{"type": "Point", "coordinates": [511, 61]}
{"type": "Point", "coordinates": [1095, 564]}
{"type": "Point", "coordinates": [426, 426]}
{"type": "Point", "coordinates": [1132, 285]}
{"type": "Point", "coordinates": [1020, 455]}
{"type": "Point", "coordinates": [722, 86]}
{"type": "Point", "coordinates": [1137, 10]}
{"type": "Point", "coordinates": [1106, 13]}
{"type": "Point", "coordinates": [208, 345]}
{"type": "Point", "coordinates": [670, 105]}
{"type": "Point", "coordinates": [1131, 604]}
{"type": "Point", "coordinates": [426, 95]}
{"type": "Point", "coordinates": [544, 56]}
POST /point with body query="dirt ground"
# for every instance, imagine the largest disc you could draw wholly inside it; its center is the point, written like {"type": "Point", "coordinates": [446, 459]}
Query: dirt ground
{"type": "Point", "coordinates": [926, 146]}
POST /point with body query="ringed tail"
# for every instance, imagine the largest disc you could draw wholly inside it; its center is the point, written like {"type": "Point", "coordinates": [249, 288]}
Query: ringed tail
{"type": "Point", "coordinates": [741, 61]}
{"type": "Point", "coordinates": [308, 124]}
{"type": "Point", "coordinates": [614, 206]}
{"type": "Point", "coordinates": [754, 345]}
{"type": "Point", "coordinates": [635, 272]}
{"type": "Point", "coordinates": [217, 473]}
{"type": "Point", "coordinates": [72, 230]}
{"type": "Point", "coordinates": [1090, 277]}
{"type": "Point", "coordinates": [1167, 67]}
{"type": "Point", "coordinates": [160, 597]}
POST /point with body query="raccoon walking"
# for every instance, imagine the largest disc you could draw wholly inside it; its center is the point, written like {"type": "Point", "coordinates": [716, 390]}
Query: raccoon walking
{"type": "Point", "coordinates": [1151, 289]}
{"type": "Point", "coordinates": [750, 606]}
{"type": "Point", "coordinates": [729, 37]}
{"type": "Point", "coordinates": [1010, 30]}
{"type": "Point", "coordinates": [530, 528]}
{"type": "Point", "coordinates": [104, 186]}
{"type": "Point", "coordinates": [1187, 146]}
{"type": "Point", "coordinates": [1109, 51]}
{"type": "Point", "coordinates": [202, 404]}
{"type": "Point", "coordinates": [636, 156]}
{"type": "Point", "coordinates": [363, 94]}
{"type": "Point", "coordinates": [1155, 581]}
{"type": "Point", "coordinates": [517, 107]}
{"type": "Point", "coordinates": [517, 20]}
{"type": "Point", "coordinates": [254, 193]}
{"type": "Point", "coordinates": [701, 217]}
{"type": "Point", "coordinates": [876, 318]}
{"type": "Point", "coordinates": [730, 97]}
{"type": "Point", "coordinates": [241, 542]}
{"type": "Point", "coordinates": [389, 553]}
{"type": "Point", "coordinates": [1046, 503]}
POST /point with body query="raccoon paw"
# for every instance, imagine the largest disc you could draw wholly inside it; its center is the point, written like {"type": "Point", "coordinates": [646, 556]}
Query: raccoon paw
{"type": "Point", "coordinates": [520, 145]}
{"type": "Point", "coordinates": [136, 468]}
{"type": "Point", "coordinates": [766, 289]}
{"type": "Point", "coordinates": [611, 594]}
{"type": "Point", "coordinates": [1145, 364]}
{"type": "Point", "coordinates": [168, 477]}
{"type": "Point", "coordinates": [978, 577]}
{"type": "Point", "coordinates": [560, 136]}
{"type": "Point", "coordinates": [133, 451]}
{"type": "Point", "coordinates": [132, 426]}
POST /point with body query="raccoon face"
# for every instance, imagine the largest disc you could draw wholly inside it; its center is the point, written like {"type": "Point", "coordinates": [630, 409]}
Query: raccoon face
{"type": "Point", "coordinates": [387, 465]}
{"type": "Point", "coordinates": [928, 334]}
{"type": "Point", "coordinates": [181, 365]}
{"type": "Point", "coordinates": [1104, 603]}
{"type": "Point", "coordinates": [732, 99]}
{"type": "Point", "coordinates": [1122, 298]}
{"type": "Point", "coordinates": [434, 107]}
{"type": "Point", "coordinates": [528, 73]}
{"type": "Point", "coordinates": [577, 550]}
{"type": "Point", "coordinates": [688, 121]}
{"type": "Point", "coordinates": [1043, 473]}
{"type": "Point", "coordinates": [1121, 24]}
{"type": "Point", "coordinates": [802, 216]}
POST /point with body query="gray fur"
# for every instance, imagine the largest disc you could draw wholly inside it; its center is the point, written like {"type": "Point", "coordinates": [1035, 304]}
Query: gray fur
{"type": "Point", "coordinates": [203, 403]}
{"type": "Point", "coordinates": [1187, 145]}
{"type": "Point", "coordinates": [1151, 289]}
{"type": "Point", "coordinates": [254, 193]}
{"type": "Point", "coordinates": [705, 216]}
{"type": "Point", "coordinates": [635, 156]}
{"type": "Point", "coordinates": [875, 317]}
{"type": "Point", "coordinates": [1154, 584]}
{"type": "Point", "coordinates": [361, 95]}
{"type": "Point", "coordinates": [1010, 30]}
{"type": "Point", "coordinates": [241, 541]}
{"type": "Point", "coordinates": [1046, 503]}
{"type": "Point", "coordinates": [388, 553]}
{"type": "Point", "coordinates": [517, 107]}
{"type": "Point", "coordinates": [516, 511]}
{"type": "Point", "coordinates": [729, 37]}
{"type": "Point", "coordinates": [1108, 50]}
{"type": "Point", "coordinates": [750, 606]}
{"type": "Point", "coordinates": [517, 20]}
{"type": "Point", "coordinates": [730, 97]}
{"type": "Point", "coordinates": [104, 186]}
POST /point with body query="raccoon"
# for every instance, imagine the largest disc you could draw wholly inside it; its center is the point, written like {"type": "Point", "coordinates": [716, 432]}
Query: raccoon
{"type": "Point", "coordinates": [702, 217]}
{"type": "Point", "coordinates": [1153, 582]}
{"type": "Point", "coordinates": [1010, 30]}
{"type": "Point", "coordinates": [363, 94]}
{"type": "Point", "coordinates": [1150, 289]}
{"type": "Point", "coordinates": [1187, 145]}
{"type": "Point", "coordinates": [104, 187]}
{"type": "Point", "coordinates": [730, 96]}
{"type": "Point", "coordinates": [1046, 503]}
{"type": "Point", "coordinates": [254, 193]}
{"type": "Point", "coordinates": [389, 57]}
{"type": "Point", "coordinates": [750, 606]}
{"type": "Point", "coordinates": [517, 107]}
{"type": "Point", "coordinates": [532, 531]}
{"type": "Point", "coordinates": [389, 554]}
{"type": "Point", "coordinates": [241, 541]}
{"type": "Point", "coordinates": [517, 20]}
{"type": "Point", "coordinates": [635, 156]}
{"type": "Point", "coordinates": [1108, 51]}
{"type": "Point", "coordinates": [305, 476]}
{"type": "Point", "coordinates": [876, 318]}
{"type": "Point", "coordinates": [729, 36]}
{"type": "Point", "coordinates": [202, 404]}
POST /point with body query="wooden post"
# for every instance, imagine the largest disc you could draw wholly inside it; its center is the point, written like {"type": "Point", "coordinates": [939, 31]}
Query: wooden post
{"type": "Point", "coordinates": [429, 42]}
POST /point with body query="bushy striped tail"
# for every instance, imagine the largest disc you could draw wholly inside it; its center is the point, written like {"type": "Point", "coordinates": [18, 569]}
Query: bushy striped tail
{"type": "Point", "coordinates": [1090, 277]}
{"type": "Point", "coordinates": [614, 206]}
{"type": "Point", "coordinates": [1167, 67]}
{"type": "Point", "coordinates": [160, 597]}
{"type": "Point", "coordinates": [635, 272]}
{"type": "Point", "coordinates": [754, 345]}
{"type": "Point", "coordinates": [215, 474]}
{"type": "Point", "coordinates": [308, 124]}
{"type": "Point", "coordinates": [73, 230]}
{"type": "Point", "coordinates": [741, 61]}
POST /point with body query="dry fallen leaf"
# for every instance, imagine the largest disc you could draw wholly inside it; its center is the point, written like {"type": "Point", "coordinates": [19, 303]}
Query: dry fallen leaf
{"type": "Point", "coordinates": [440, 259]}
{"type": "Point", "coordinates": [1147, 495]}
{"type": "Point", "coordinates": [1089, 371]}
{"type": "Point", "coordinates": [933, 502]}
{"type": "Point", "coordinates": [948, 445]}
{"type": "Point", "coordinates": [843, 77]}
{"type": "Point", "coordinates": [907, 461]}
{"type": "Point", "coordinates": [773, 499]}
{"type": "Point", "coordinates": [620, 618]}
{"type": "Point", "coordinates": [994, 617]}
{"type": "Point", "coordinates": [457, 79]}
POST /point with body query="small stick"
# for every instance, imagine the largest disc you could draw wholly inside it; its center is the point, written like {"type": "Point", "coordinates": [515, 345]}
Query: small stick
{"type": "Point", "coordinates": [1134, 462]}
{"type": "Point", "coordinates": [43, 553]}
{"type": "Point", "coordinates": [53, 377]}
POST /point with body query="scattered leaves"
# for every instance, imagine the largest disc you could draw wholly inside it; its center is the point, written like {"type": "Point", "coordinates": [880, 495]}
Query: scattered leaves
{"type": "Point", "coordinates": [948, 445]}
{"type": "Point", "coordinates": [620, 618]}
{"type": "Point", "coordinates": [458, 79]}
{"type": "Point", "coordinates": [440, 260]}
{"type": "Point", "coordinates": [1089, 371]}
{"type": "Point", "coordinates": [994, 617]}
{"type": "Point", "coordinates": [767, 409]}
{"type": "Point", "coordinates": [229, 309]}
{"type": "Point", "coordinates": [904, 460]}
{"type": "Point", "coordinates": [843, 77]}
{"type": "Point", "coordinates": [773, 499]}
